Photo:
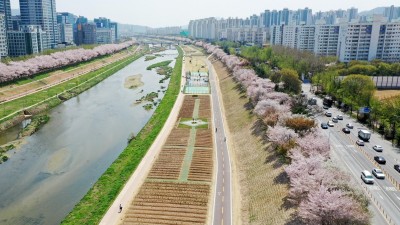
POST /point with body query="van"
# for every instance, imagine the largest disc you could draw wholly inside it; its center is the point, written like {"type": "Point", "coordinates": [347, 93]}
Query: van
{"type": "Point", "coordinates": [366, 176]}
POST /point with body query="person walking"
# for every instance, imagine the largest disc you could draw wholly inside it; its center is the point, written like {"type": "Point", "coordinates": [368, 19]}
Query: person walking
{"type": "Point", "coordinates": [120, 208]}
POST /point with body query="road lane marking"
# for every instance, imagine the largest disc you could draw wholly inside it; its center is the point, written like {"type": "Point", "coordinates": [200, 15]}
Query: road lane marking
{"type": "Point", "coordinates": [380, 196]}
{"type": "Point", "coordinates": [391, 189]}
{"type": "Point", "coordinates": [223, 188]}
{"type": "Point", "coordinates": [222, 210]}
{"type": "Point", "coordinates": [223, 198]}
{"type": "Point", "coordinates": [223, 180]}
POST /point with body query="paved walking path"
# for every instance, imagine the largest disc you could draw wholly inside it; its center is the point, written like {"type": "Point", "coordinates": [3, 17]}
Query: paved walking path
{"type": "Point", "coordinates": [222, 214]}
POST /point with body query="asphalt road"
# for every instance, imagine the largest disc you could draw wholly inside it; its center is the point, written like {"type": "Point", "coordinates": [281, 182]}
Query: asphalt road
{"type": "Point", "coordinates": [222, 214]}
{"type": "Point", "coordinates": [384, 195]}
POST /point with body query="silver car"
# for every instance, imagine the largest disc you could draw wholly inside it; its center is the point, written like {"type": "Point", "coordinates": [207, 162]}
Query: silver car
{"type": "Point", "coordinates": [378, 173]}
{"type": "Point", "coordinates": [366, 176]}
{"type": "Point", "coordinates": [340, 117]}
{"type": "Point", "coordinates": [378, 148]}
{"type": "Point", "coordinates": [349, 125]}
{"type": "Point", "coordinates": [360, 142]}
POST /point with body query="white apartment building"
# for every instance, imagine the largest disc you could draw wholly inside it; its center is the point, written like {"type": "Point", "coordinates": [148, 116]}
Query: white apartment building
{"type": "Point", "coordinates": [305, 38]}
{"type": "Point", "coordinates": [3, 37]}
{"type": "Point", "coordinates": [231, 29]}
{"type": "Point", "coordinates": [66, 33]}
{"type": "Point", "coordinates": [370, 40]}
{"type": "Point", "coordinates": [366, 41]}
{"type": "Point", "coordinates": [326, 40]}
{"type": "Point", "coordinates": [204, 28]}
{"type": "Point", "coordinates": [389, 42]}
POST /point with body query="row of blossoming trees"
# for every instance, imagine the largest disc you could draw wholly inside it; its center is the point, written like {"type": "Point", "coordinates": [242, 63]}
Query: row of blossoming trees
{"type": "Point", "coordinates": [322, 193]}
{"type": "Point", "coordinates": [22, 69]}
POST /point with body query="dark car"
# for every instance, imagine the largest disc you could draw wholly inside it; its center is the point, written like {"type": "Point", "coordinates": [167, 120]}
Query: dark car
{"type": "Point", "coordinates": [324, 126]}
{"type": "Point", "coordinates": [380, 159]}
{"type": "Point", "coordinates": [397, 167]}
{"type": "Point", "coordinates": [346, 130]}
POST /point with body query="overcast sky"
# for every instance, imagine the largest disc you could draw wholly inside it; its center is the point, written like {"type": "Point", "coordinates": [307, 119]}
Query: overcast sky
{"type": "Point", "coordinates": [160, 13]}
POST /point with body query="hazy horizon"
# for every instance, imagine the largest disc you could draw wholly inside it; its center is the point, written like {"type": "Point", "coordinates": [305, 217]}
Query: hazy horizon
{"type": "Point", "coordinates": [155, 13]}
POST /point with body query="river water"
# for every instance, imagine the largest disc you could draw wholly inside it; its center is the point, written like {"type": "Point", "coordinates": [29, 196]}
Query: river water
{"type": "Point", "coordinates": [48, 175]}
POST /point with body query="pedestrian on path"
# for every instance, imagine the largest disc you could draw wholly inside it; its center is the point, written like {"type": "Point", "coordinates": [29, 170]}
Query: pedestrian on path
{"type": "Point", "coordinates": [224, 139]}
{"type": "Point", "coordinates": [120, 208]}
{"type": "Point", "coordinates": [215, 130]}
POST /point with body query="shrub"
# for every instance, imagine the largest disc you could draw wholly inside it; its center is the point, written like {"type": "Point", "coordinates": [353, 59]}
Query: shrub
{"type": "Point", "coordinates": [300, 124]}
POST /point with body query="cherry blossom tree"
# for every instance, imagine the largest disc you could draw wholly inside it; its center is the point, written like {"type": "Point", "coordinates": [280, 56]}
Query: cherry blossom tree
{"type": "Point", "coordinates": [314, 143]}
{"type": "Point", "coordinates": [280, 135]}
{"type": "Point", "coordinates": [329, 206]}
{"type": "Point", "coordinates": [22, 69]}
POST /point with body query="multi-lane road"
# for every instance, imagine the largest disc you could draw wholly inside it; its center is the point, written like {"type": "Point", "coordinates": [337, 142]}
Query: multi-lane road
{"type": "Point", "coordinates": [222, 214]}
{"type": "Point", "coordinates": [384, 194]}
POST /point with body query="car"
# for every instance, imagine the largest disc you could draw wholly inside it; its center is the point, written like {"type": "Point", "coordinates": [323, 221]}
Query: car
{"type": "Point", "coordinates": [349, 125]}
{"type": "Point", "coordinates": [340, 117]}
{"type": "Point", "coordinates": [360, 142]}
{"type": "Point", "coordinates": [331, 124]}
{"type": "Point", "coordinates": [366, 176]}
{"type": "Point", "coordinates": [378, 173]}
{"type": "Point", "coordinates": [325, 107]}
{"type": "Point", "coordinates": [346, 130]}
{"type": "Point", "coordinates": [397, 167]}
{"type": "Point", "coordinates": [328, 114]}
{"type": "Point", "coordinates": [324, 126]}
{"type": "Point", "coordinates": [335, 119]}
{"type": "Point", "coordinates": [380, 159]}
{"type": "Point", "coordinates": [378, 148]}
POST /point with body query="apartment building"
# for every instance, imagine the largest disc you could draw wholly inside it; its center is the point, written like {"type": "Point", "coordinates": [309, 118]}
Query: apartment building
{"type": "Point", "coordinates": [369, 40]}
{"type": "Point", "coordinates": [3, 36]}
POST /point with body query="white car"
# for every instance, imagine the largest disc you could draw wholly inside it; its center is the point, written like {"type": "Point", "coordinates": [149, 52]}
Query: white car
{"type": "Point", "coordinates": [378, 148]}
{"type": "Point", "coordinates": [366, 176]}
{"type": "Point", "coordinates": [349, 125]}
{"type": "Point", "coordinates": [378, 173]}
{"type": "Point", "coordinates": [331, 124]}
{"type": "Point", "coordinates": [340, 117]}
{"type": "Point", "coordinates": [360, 142]}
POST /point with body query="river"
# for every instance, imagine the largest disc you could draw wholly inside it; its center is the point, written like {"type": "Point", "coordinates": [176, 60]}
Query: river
{"type": "Point", "coordinates": [54, 169]}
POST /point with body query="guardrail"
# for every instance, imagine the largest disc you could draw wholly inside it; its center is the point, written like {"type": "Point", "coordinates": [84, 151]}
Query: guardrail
{"type": "Point", "coordinates": [378, 205]}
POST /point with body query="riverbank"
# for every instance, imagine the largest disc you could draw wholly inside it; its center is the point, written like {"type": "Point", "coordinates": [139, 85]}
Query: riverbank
{"type": "Point", "coordinates": [45, 100]}
{"type": "Point", "coordinates": [96, 202]}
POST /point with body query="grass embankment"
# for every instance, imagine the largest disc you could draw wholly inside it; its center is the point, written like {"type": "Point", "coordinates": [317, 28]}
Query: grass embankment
{"type": "Point", "coordinates": [53, 96]}
{"type": "Point", "coordinates": [160, 64]}
{"type": "Point", "coordinates": [96, 202]}
{"type": "Point", "coordinates": [150, 57]}
{"type": "Point", "coordinates": [262, 183]}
